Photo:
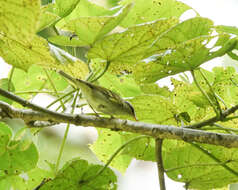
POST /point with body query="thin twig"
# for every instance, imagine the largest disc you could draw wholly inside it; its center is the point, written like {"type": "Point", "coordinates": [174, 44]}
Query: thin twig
{"type": "Point", "coordinates": [60, 98]}
{"type": "Point", "coordinates": [159, 162]}
{"type": "Point", "coordinates": [10, 78]}
{"type": "Point", "coordinates": [213, 119]}
{"type": "Point", "coordinates": [37, 92]}
{"type": "Point", "coordinates": [102, 73]}
{"type": "Point", "coordinates": [65, 135]}
{"type": "Point", "coordinates": [212, 91]}
{"type": "Point", "coordinates": [54, 88]}
{"type": "Point", "coordinates": [205, 94]}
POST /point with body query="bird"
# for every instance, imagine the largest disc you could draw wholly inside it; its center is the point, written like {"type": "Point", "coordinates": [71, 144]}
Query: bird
{"type": "Point", "coordinates": [102, 99]}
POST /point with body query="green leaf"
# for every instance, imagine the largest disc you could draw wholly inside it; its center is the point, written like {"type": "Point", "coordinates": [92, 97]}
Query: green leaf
{"type": "Point", "coordinates": [182, 32]}
{"type": "Point", "coordinates": [35, 80]}
{"type": "Point", "coordinates": [86, 8]}
{"type": "Point", "coordinates": [187, 98]}
{"type": "Point", "coordinates": [183, 57]}
{"type": "Point", "coordinates": [5, 84]}
{"type": "Point", "coordinates": [66, 41]}
{"type": "Point", "coordinates": [64, 8]}
{"type": "Point", "coordinates": [75, 67]}
{"type": "Point", "coordinates": [153, 88]}
{"type": "Point", "coordinates": [46, 19]}
{"type": "Point", "coordinates": [91, 29]}
{"type": "Point", "coordinates": [24, 181]}
{"type": "Point", "coordinates": [142, 149]}
{"type": "Point", "coordinates": [225, 84]}
{"type": "Point", "coordinates": [228, 29]}
{"type": "Point", "coordinates": [19, 20]}
{"type": "Point", "coordinates": [75, 172]}
{"type": "Point", "coordinates": [124, 49]}
{"type": "Point", "coordinates": [14, 153]}
{"type": "Point", "coordinates": [182, 49]}
{"type": "Point", "coordinates": [188, 164]}
{"type": "Point", "coordinates": [154, 109]}
{"type": "Point", "coordinates": [107, 143]}
{"type": "Point", "coordinates": [123, 85]}
{"type": "Point", "coordinates": [19, 46]}
{"type": "Point", "coordinates": [22, 53]}
{"type": "Point", "coordinates": [5, 136]}
{"type": "Point", "coordinates": [150, 10]}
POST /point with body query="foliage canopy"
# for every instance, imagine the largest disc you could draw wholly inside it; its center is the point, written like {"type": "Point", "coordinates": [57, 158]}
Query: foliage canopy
{"type": "Point", "coordinates": [126, 49]}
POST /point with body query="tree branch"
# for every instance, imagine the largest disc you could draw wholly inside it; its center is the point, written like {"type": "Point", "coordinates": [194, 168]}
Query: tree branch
{"type": "Point", "coordinates": [159, 161]}
{"type": "Point", "coordinates": [153, 130]}
{"type": "Point", "coordinates": [213, 119]}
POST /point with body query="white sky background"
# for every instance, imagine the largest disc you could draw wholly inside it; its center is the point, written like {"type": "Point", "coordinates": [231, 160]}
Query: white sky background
{"type": "Point", "coordinates": [143, 175]}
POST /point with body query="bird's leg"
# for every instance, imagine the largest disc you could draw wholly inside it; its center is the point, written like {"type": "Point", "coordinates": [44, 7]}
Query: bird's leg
{"type": "Point", "coordinates": [94, 111]}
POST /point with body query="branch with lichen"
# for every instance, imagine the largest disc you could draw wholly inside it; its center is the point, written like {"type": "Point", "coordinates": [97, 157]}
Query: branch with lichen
{"type": "Point", "coordinates": [40, 117]}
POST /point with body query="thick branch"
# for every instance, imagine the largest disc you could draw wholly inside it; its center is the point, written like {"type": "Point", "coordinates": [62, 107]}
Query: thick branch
{"type": "Point", "coordinates": [153, 130]}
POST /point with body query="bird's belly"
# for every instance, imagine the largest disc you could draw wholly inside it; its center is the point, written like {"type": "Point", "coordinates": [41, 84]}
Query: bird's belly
{"type": "Point", "coordinates": [105, 106]}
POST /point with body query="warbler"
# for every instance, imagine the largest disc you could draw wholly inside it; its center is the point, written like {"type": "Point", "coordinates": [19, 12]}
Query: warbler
{"type": "Point", "coordinates": [102, 99]}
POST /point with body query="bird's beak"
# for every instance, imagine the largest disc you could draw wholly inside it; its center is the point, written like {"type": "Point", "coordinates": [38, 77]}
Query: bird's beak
{"type": "Point", "coordinates": [135, 118]}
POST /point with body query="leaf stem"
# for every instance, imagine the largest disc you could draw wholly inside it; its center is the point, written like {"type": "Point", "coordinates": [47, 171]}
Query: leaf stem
{"type": "Point", "coordinates": [10, 78]}
{"type": "Point", "coordinates": [60, 98]}
{"type": "Point", "coordinates": [54, 88]}
{"type": "Point", "coordinates": [102, 73]}
{"type": "Point", "coordinates": [37, 92]}
{"type": "Point", "coordinates": [204, 94]}
{"type": "Point", "coordinates": [65, 136]}
{"type": "Point", "coordinates": [214, 94]}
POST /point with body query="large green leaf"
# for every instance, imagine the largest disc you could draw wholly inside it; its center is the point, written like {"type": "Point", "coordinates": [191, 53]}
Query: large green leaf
{"type": "Point", "coordinates": [123, 85]}
{"type": "Point", "coordinates": [15, 153]}
{"type": "Point", "coordinates": [69, 64]}
{"type": "Point", "coordinates": [185, 47]}
{"type": "Point", "coordinates": [19, 46]}
{"type": "Point", "coordinates": [24, 181]}
{"type": "Point", "coordinates": [64, 8]}
{"type": "Point", "coordinates": [150, 10]}
{"type": "Point", "coordinates": [19, 20]}
{"type": "Point", "coordinates": [46, 18]}
{"type": "Point", "coordinates": [86, 8]}
{"type": "Point", "coordinates": [5, 136]}
{"type": "Point", "coordinates": [183, 57]}
{"type": "Point", "coordinates": [75, 172]}
{"type": "Point", "coordinates": [7, 85]}
{"type": "Point", "coordinates": [182, 32]}
{"type": "Point", "coordinates": [154, 109]}
{"type": "Point", "coordinates": [124, 49]}
{"type": "Point", "coordinates": [91, 29]}
{"type": "Point", "coordinates": [107, 143]}
{"type": "Point", "coordinates": [186, 163]}
{"type": "Point", "coordinates": [35, 80]}
{"type": "Point", "coordinates": [228, 29]}
{"type": "Point", "coordinates": [22, 53]}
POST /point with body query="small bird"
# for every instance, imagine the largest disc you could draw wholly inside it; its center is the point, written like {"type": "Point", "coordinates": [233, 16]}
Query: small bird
{"type": "Point", "coordinates": [102, 99]}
